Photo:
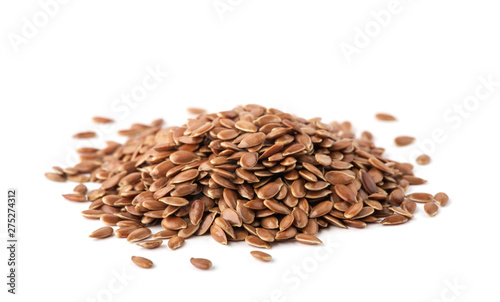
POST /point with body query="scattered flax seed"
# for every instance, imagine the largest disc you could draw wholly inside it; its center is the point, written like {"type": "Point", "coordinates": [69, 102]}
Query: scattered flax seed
{"type": "Point", "coordinates": [92, 214]}
{"type": "Point", "coordinates": [102, 232]}
{"type": "Point", "coordinates": [142, 262]}
{"type": "Point", "coordinates": [165, 234]}
{"type": "Point", "coordinates": [441, 199]}
{"type": "Point", "coordinates": [261, 256]}
{"type": "Point", "coordinates": [150, 244]}
{"type": "Point", "coordinates": [194, 110]}
{"type": "Point", "coordinates": [423, 159]}
{"type": "Point", "coordinates": [201, 263]}
{"type": "Point", "coordinates": [420, 197]}
{"type": "Point", "coordinates": [58, 170]}
{"type": "Point", "coordinates": [75, 197]}
{"type": "Point", "coordinates": [413, 180]}
{"type": "Point", "coordinates": [124, 232]}
{"type": "Point", "coordinates": [102, 120]}
{"type": "Point", "coordinates": [257, 242]}
{"type": "Point", "coordinates": [409, 206]}
{"type": "Point", "coordinates": [55, 177]}
{"type": "Point", "coordinates": [401, 211]}
{"type": "Point", "coordinates": [367, 135]}
{"type": "Point", "coordinates": [158, 122]}
{"type": "Point", "coordinates": [395, 219]}
{"type": "Point", "coordinates": [80, 189]}
{"type": "Point", "coordinates": [110, 219]}
{"type": "Point", "coordinates": [86, 134]}
{"type": "Point", "coordinates": [385, 117]}
{"type": "Point", "coordinates": [402, 141]}
{"type": "Point", "coordinates": [175, 242]}
{"type": "Point", "coordinates": [307, 239]}
{"type": "Point", "coordinates": [431, 208]}
{"type": "Point", "coordinates": [138, 234]}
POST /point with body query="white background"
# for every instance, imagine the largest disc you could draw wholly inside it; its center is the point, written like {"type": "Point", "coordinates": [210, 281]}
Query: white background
{"type": "Point", "coordinates": [426, 60]}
